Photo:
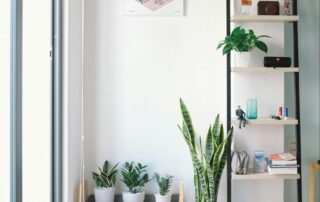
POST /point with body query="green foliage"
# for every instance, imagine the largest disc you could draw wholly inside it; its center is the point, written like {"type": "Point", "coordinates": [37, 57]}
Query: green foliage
{"type": "Point", "coordinates": [106, 177]}
{"type": "Point", "coordinates": [208, 166]}
{"type": "Point", "coordinates": [242, 41]}
{"type": "Point", "coordinates": [164, 183]}
{"type": "Point", "coordinates": [134, 176]}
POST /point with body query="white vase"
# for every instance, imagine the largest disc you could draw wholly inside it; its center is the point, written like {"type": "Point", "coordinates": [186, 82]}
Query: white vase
{"type": "Point", "coordinates": [104, 194]}
{"type": "Point", "coordinates": [242, 59]}
{"type": "Point", "coordinates": [133, 197]}
{"type": "Point", "coordinates": [160, 198]}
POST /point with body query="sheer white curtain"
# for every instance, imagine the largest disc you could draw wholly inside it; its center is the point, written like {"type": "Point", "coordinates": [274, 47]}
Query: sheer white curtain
{"type": "Point", "coordinates": [36, 100]}
{"type": "Point", "coordinates": [5, 100]}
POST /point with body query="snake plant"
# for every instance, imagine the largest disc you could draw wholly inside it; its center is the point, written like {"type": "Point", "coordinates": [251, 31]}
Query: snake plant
{"type": "Point", "coordinates": [106, 177]}
{"type": "Point", "coordinates": [208, 165]}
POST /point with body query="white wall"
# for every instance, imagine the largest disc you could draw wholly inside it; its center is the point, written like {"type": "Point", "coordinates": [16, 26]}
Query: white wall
{"type": "Point", "coordinates": [136, 68]}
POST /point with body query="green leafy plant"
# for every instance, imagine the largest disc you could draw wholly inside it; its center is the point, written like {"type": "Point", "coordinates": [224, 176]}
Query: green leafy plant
{"type": "Point", "coordinates": [241, 40]}
{"type": "Point", "coordinates": [208, 165]}
{"type": "Point", "coordinates": [164, 183]}
{"type": "Point", "coordinates": [134, 176]}
{"type": "Point", "coordinates": [106, 177]}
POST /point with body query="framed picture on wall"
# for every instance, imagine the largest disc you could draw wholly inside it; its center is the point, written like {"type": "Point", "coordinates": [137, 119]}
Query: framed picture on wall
{"type": "Point", "coordinates": [154, 7]}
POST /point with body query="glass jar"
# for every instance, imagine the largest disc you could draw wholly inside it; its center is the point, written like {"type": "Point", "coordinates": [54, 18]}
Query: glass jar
{"type": "Point", "coordinates": [252, 108]}
{"type": "Point", "coordinates": [259, 162]}
{"type": "Point", "coordinates": [245, 6]}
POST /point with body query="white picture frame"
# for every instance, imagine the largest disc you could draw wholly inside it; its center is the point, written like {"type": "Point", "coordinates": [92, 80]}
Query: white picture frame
{"type": "Point", "coordinates": [154, 7]}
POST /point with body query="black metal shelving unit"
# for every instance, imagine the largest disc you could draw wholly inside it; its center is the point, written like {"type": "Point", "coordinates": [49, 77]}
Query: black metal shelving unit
{"type": "Point", "coordinates": [296, 98]}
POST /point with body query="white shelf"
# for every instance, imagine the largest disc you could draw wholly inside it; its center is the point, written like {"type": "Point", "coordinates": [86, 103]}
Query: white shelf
{"type": "Point", "coordinates": [263, 176]}
{"type": "Point", "coordinates": [265, 69]}
{"type": "Point", "coordinates": [264, 18]}
{"type": "Point", "coordinates": [268, 121]}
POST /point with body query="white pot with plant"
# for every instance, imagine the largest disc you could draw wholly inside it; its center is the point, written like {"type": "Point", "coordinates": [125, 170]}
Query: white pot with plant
{"type": "Point", "coordinates": [242, 42]}
{"type": "Point", "coordinates": [105, 181]}
{"type": "Point", "coordinates": [134, 177]}
{"type": "Point", "coordinates": [208, 164]}
{"type": "Point", "coordinates": [164, 184]}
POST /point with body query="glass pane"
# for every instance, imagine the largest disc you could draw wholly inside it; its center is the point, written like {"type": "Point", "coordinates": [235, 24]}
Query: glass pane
{"type": "Point", "coordinates": [36, 101]}
{"type": "Point", "coordinates": [5, 100]}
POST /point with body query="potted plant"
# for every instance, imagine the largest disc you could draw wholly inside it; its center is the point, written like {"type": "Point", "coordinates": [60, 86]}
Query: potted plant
{"type": "Point", "coordinates": [134, 177]}
{"type": "Point", "coordinates": [164, 184]}
{"type": "Point", "coordinates": [242, 42]}
{"type": "Point", "coordinates": [105, 180]}
{"type": "Point", "coordinates": [208, 164]}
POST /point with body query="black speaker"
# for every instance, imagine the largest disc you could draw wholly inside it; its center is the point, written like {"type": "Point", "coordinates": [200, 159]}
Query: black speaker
{"type": "Point", "coordinates": [277, 62]}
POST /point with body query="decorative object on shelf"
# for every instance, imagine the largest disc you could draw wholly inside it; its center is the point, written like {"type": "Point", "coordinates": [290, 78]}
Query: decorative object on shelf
{"type": "Point", "coordinates": [241, 116]}
{"type": "Point", "coordinates": [252, 109]}
{"type": "Point", "coordinates": [280, 112]}
{"type": "Point", "coordinates": [276, 117]}
{"type": "Point", "coordinates": [286, 6]}
{"type": "Point", "coordinates": [245, 7]}
{"type": "Point", "coordinates": [134, 177]}
{"type": "Point", "coordinates": [105, 181]}
{"type": "Point", "coordinates": [240, 162]}
{"type": "Point", "coordinates": [259, 162]}
{"type": "Point", "coordinates": [268, 8]}
{"type": "Point", "coordinates": [208, 165]}
{"type": "Point", "coordinates": [153, 7]}
{"type": "Point", "coordinates": [164, 184]}
{"type": "Point", "coordinates": [242, 42]}
{"type": "Point", "coordinates": [286, 113]}
{"type": "Point", "coordinates": [277, 62]}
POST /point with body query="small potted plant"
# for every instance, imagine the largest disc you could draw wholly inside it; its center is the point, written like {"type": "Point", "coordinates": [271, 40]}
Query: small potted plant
{"type": "Point", "coordinates": [164, 184]}
{"type": "Point", "coordinates": [105, 180]}
{"type": "Point", "coordinates": [134, 177]}
{"type": "Point", "coordinates": [242, 42]}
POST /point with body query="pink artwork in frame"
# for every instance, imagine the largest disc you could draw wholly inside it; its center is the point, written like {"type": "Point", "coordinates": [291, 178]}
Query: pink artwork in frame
{"type": "Point", "coordinates": [154, 7]}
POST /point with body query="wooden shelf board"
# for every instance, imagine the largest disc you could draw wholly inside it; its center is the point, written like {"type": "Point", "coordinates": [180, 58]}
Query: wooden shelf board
{"type": "Point", "coordinates": [263, 176]}
{"type": "Point", "coordinates": [264, 18]}
{"type": "Point", "coordinates": [268, 121]}
{"type": "Point", "coordinates": [264, 69]}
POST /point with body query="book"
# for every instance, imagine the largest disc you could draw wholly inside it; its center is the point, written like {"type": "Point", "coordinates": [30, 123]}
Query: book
{"type": "Point", "coordinates": [282, 171]}
{"type": "Point", "coordinates": [283, 159]}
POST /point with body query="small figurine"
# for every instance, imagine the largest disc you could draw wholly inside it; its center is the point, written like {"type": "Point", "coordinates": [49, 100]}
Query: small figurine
{"type": "Point", "coordinates": [241, 117]}
{"type": "Point", "coordinates": [287, 8]}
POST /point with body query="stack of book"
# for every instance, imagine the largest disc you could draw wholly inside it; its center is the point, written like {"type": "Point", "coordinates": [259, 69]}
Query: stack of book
{"type": "Point", "coordinates": [282, 164]}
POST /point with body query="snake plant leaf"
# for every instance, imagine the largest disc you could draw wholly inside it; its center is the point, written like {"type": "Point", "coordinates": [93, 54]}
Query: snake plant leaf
{"type": "Point", "coordinates": [105, 167]}
{"type": "Point", "coordinates": [187, 121]}
{"type": "Point", "coordinates": [209, 148]}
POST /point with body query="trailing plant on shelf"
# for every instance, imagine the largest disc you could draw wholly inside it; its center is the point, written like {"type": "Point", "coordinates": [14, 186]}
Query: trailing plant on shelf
{"type": "Point", "coordinates": [105, 180]}
{"type": "Point", "coordinates": [241, 40]}
{"type": "Point", "coordinates": [106, 177]}
{"type": "Point", "coordinates": [164, 183]}
{"type": "Point", "coordinates": [134, 177]}
{"type": "Point", "coordinates": [208, 165]}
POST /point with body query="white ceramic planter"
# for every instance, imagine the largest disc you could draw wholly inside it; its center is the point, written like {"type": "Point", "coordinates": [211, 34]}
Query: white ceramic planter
{"type": "Point", "coordinates": [130, 197]}
{"type": "Point", "coordinates": [104, 194]}
{"type": "Point", "coordinates": [242, 59]}
{"type": "Point", "coordinates": [166, 198]}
